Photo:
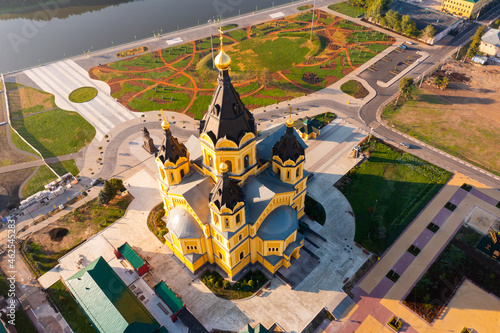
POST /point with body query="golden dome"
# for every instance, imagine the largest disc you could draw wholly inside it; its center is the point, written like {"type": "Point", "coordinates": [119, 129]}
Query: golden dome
{"type": "Point", "coordinates": [289, 122]}
{"type": "Point", "coordinates": [165, 124]}
{"type": "Point", "coordinates": [223, 60]}
{"type": "Point", "coordinates": [223, 167]}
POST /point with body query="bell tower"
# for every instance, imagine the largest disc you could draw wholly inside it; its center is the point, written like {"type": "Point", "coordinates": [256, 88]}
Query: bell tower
{"type": "Point", "coordinates": [227, 131]}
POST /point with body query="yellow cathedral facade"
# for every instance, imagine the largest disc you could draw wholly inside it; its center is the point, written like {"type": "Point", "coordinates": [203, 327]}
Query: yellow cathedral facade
{"type": "Point", "coordinates": [229, 200]}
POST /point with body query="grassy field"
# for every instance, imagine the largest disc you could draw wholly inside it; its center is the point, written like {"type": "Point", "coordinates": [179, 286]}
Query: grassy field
{"type": "Point", "coordinates": [51, 130]}
{"type": "Point", "coordinates": [387, 192]}
{"type": "Point", "coordinates": [55, 132]}
{"type": "Point", "coordinates": [271, 62]}
{"type": "Point", "coordinates": [83, 94]}
{"type": "Point", "coordinates": [347, 9]}
{"type": "Point", "coordinates": [457, 121]}
{"type": "Point", "coordinates": [42, 251]}
{"type": "Point", "coordinates": [69, 309]}
{"type": "Point", "coordinates": [44, 176]}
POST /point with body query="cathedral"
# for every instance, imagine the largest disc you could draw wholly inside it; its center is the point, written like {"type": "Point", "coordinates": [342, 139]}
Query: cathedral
{"type": "Point", "coordinates": [229, 200]}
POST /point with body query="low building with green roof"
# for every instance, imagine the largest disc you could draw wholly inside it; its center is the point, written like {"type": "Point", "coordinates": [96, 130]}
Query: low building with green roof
{"type": "Point", "coordinates": [108, 303]}
{"type": "Point", "coordinates": [126, 251]}
{"type": "Point", "coordinates": [308, 128]}
{"type": "Point", "coordinates": [169, 297]}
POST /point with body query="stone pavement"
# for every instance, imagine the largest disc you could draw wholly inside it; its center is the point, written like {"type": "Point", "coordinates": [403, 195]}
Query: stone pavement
{"type": "Point", "coordinates": [379, 299]}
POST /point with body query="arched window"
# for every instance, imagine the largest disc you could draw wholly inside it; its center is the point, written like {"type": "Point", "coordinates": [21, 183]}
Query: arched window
{"type": "Point", "coordinates": [229, 166]}
{"type": "Point", "coordinates": [221, 256]}
{"type": "Point", "coordinates": [278, 171]}
{"type": "Point", "coordinates": [297, 172]}
{"type": "Point", "coordinates": [182, 173]}
{"type": "Point", "coordinates": [210, 161]}
{"type": "Point", "coordinates": [227, 222]}
{"type": "Point", "coordinates": [246, 161]}
{"type": "Point", "coordinates": [288, 175]}
{"type": "Point", "coordinates": [242, 254]}
{"type": "Point", "coordinates": [238, 219]}
{"type": "Point", "coordinates": [172, 176]}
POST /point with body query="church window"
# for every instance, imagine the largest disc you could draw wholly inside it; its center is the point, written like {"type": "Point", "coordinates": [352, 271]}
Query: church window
{"type": "Point", "coordinates": [288, 175]}
{"type": "Point", "coordinates": [172, 176]}
{"type": "Point", "coordinates": [238, 219]}
{"type": "Point", "coordinates": [229, 166]}
{"type": "Point", "coordinates": [239, 237]}
{"type": "Point", "coordinates": [227, 222]}
{"type": "Point", "coordinates": [246, 161]}
{"type": "Point", "coordinates": [242, 255]}
{"type": "Point", "coordinates": [278, 171]}
{"type": "Point", "coordinates": [297, 173]}
{"type": "Point", "coordinates": [220, 256]}
{"type": "Point", "coordinates": [182, 173]}
{"type": "Point", "coordinates": [210, 161]}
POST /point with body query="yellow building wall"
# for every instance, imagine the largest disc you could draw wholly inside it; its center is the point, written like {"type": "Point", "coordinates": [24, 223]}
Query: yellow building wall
{"type": "Point", "coordinates": [462, 7]}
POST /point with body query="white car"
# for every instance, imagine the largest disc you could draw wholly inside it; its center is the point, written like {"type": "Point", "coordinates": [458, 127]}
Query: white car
{"type": "Point", "coordinates": [409, 42]}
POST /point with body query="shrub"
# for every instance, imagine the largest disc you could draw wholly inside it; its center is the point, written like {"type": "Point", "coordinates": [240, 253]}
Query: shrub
{"type": "Point", "coordinates": [251, 283]}
{"type": "Point", "coordinates": [218, 284]}
{"type": "Point", "coordinates": [226, 284]}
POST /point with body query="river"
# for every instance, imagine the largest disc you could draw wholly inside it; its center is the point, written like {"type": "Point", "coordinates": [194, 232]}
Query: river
{"type": "Point", "coordinates": [64, 28]}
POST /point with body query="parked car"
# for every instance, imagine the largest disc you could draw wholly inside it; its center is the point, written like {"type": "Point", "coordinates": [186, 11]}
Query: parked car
{"type": "Point", "coordinates": [409, 42]}
{"type": "Point", "coordinates": [96, 181]}
{"type": "Point", "coordinates": [407, 145]}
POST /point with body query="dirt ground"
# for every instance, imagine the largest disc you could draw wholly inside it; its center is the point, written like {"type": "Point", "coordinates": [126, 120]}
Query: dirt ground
{"type": "Point", "coordinates": [463, 119]}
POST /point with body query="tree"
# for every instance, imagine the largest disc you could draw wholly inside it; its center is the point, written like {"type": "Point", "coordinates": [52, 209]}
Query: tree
{"type": "Point", "coordinates": [116, 185]}
{"type": "Point", "coordinates": [375, 9]}
{"type": "Point", "coordinates": [429, 32]}
{"type": "Point", "coordinates": [106, 193]}
{"type": "Point", "coordinates": [406, 87]}
{"type": "Point", "coordinates": [408, 26]}
{"type": "Point", "coordinates": [103, 197]}
{"type": "Point", "coordinates": [476, 40]}
{"type": "Point", "coordinates": [393, 19]}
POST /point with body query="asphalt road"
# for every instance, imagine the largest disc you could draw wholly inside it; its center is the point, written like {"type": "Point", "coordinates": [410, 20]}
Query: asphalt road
{"type": "Point", "coordinates": [368, 112]}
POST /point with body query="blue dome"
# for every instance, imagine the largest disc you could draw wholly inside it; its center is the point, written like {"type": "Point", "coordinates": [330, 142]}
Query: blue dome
{"type": "Point", "coordinates": [279, 224]}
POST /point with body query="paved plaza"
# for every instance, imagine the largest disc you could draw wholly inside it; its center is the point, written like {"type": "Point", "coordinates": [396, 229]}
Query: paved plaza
{"type": "Point", "coordinates": [378, 298]}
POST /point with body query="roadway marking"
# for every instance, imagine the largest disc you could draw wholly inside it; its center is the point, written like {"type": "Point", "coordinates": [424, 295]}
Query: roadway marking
{"type": "Point", "coordinates": [276, 15]}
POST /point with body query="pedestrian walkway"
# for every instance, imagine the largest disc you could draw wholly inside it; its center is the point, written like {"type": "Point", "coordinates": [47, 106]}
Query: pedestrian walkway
{"type": "Point", "coordinates": [62, 77]}
{"type": "Point", "coordinates": [378, 298]}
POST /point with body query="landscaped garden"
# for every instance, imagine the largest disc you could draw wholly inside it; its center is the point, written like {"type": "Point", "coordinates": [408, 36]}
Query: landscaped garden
{"type": "Point", "coordinates": [387, 192]}
{"type": "Point", "coordinates": [460, 259]}
{"type": "Point", "coordinates": [42, 249]}
{"type": "Point", "coordinates": [354, 88]}
{"type": "Point", "coordinates": [245, 287]}
{"type": "Point", "coordinates": [70, 310]}
{"type": "Point", "coordinates": [156, 224]}
{"type": "Point", "coordinates": [83, 94]}
{"type": "Point", "coordinates": [51, 130]}
{"type": "Point", "coordinates": [271, 62]}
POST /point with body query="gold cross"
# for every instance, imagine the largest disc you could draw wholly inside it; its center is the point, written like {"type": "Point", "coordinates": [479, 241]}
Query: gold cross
{"type": "Point", "coordinates": [221, 32]}
{"type": "Point", "coordinates": [290, 111]}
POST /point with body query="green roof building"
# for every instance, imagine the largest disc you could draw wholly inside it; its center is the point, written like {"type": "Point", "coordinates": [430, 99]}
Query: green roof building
{"type": "Point", "coordinates": [168, 296]}
{"type": "Point", "coordinates": [307, 128]}
{"type": "Point", "coordinates": [259, 328]}
{"type": "Point", "coordinates": [108, 303]}
{"type": "Point", "coordinates": [126, 251]}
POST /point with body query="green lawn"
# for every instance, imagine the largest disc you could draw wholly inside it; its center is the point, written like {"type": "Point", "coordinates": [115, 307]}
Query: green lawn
{"type": "Point", "coordinates": [69, 309]}
{"type": "Point", "coordinates": [45, 176]}
{"type": "Point", "coordinates": [56, 132]}
{"type": "Point", "coordinates": [83, 94]}
{"type": "Point", "coordinates": [347, 9]}
{"type": "Point", "coordinates": [387, 192]}
{"type": "Point", "coordinates": [245, 287]}
{"type": "Point", "coordinates": [354, 88]}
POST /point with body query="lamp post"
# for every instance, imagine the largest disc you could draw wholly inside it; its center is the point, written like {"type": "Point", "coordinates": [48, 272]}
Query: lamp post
{"type": "Point", "coordinates": [312, 20]}
{"type": "Point", "coordinates": [211, 44]}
